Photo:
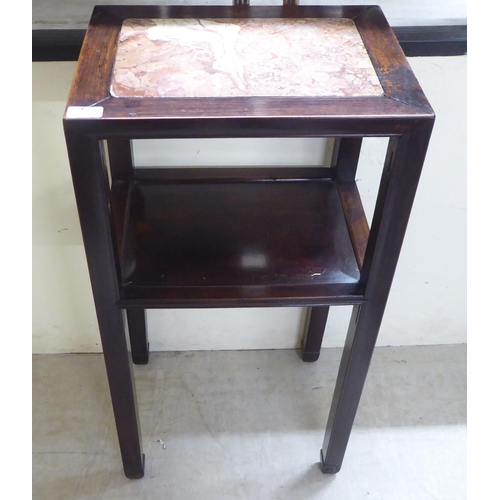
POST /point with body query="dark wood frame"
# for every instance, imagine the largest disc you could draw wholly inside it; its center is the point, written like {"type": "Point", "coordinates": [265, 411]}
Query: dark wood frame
{"type": "Point", "coordinates": [416, 41]}
{"type": "Point", "coordinates": [402, 114]}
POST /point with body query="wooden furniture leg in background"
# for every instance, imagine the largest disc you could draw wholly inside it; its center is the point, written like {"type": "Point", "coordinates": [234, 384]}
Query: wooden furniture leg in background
{"type": "Point", "coordinates": [137, 329]}
{"type": "Point", "coordinates": [344, 163]}
{"type": "Point", "coordinates": [313, 335]}
{"type": "Point", "coordinates": [345, 157]}
{"type": "Point", "coordinates": [121, 165]}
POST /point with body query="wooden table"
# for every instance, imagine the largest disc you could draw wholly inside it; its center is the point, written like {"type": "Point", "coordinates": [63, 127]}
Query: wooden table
{"type": "Point", "coordinates": [241, 237]}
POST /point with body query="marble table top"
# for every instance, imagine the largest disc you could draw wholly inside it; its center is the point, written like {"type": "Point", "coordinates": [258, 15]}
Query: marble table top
{"type": "Point", "coordinates": [242, 57]}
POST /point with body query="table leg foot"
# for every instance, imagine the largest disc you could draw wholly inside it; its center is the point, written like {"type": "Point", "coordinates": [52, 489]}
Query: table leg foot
{"type": "Point", "coordinates": [142, 358]}
{"type": "Point", "coordinates": [139, 345]}
{"type": "Point", "coordinates": [328, 468]}
{"type": "Point", "coordinates": [310, 356]}
{"type": "Point", "coordinates": [138, 473]}
{"type": "Point", "coordinates": [313, 335]}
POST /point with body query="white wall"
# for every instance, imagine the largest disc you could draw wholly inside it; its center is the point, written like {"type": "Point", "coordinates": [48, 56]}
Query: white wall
{"type": "Point", "coordinates": [428, 299]}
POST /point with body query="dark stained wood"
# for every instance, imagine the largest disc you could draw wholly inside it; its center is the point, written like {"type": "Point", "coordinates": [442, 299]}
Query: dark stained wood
{"type": "Point", "coordinates": [121, 159]}
{"type": "Point", "coordinates": [246, 234]}
{"type": "Point", "coordinates": [357, 224]}
{"type": "Point", "coordinates": [230, 174]}
{"type": "Point", "coordinates": [391, 216]}
{"type": "Point", "coordinates": [344, 164]}
{"type": "Point", "coordinates": [299, 119]}
{"type": "Point", "coordinates": [91, 81]}
{"type": "Point", "coordinates": [388, 59]}
{"type": "Point", "coordinates": [311, 116]}
{"type": "Point", "coordinates": [139, 345]}
{"type": "Point", "coordinates": [345, 158]}
{"type": "Point", "coordinates": [313, 335]}
{"type": "Point", "coordinates": [119, 200]}
{"type": "Point", "coordinates": [240, 296]}
{"type": "Point", "coordinates": [416, 41]}
{"type": "Point", "coordinates": [225, 11]}
{"type": "Point", "coordinates": [121, 172]}
{"type": "Point", "coordinates": [92, 195]}
{"type": "Point", "coordinates": [121, 163]}
{"type": "Point", "coordinates": [243, 238]}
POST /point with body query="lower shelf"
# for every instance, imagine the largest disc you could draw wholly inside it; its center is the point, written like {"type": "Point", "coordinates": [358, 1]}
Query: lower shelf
{"type": "Point", "coordinates": [237, 244]}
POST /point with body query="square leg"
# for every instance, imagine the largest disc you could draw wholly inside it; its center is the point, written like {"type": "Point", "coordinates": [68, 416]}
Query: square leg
{"type": "Point", "coordinates": [137, 328]}
{"type": "Point", "coordinates": [313, 335]}
{"type": "Point", "coordinates": [404, 160]}
{"type": "Point", "coordinates": [92, 197]}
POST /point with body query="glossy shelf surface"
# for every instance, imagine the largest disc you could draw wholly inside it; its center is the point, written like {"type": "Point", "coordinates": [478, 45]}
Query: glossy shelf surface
{"type": "Point", "coordinates": [271, 239]}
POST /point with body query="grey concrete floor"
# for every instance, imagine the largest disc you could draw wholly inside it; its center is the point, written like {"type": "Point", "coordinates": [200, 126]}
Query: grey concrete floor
{"type": "Point", "coordinates": [249, 425]}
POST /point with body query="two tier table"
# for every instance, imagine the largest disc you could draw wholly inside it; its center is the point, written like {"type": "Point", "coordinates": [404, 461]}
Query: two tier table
{"type": "Point", "coordinates": [241, 237]}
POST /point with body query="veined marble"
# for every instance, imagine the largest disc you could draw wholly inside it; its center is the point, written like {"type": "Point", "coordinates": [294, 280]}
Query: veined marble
{"type": "Point", "coordinates": [242, 57]}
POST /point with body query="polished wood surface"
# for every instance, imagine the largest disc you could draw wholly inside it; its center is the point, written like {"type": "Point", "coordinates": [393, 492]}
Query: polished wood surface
{"type": "Point", "coordinates": [290, 233]}
{"type": "Point", "coordinates": [402, 98]}
{"type": "Point", "coordinates": [249, 237]}
{"type": "Point", "coordinates": [92, 194]}
{"type": "Point", "coordinates": [314, 331]}
{"type": "Point", "coordinates": [405, 157]}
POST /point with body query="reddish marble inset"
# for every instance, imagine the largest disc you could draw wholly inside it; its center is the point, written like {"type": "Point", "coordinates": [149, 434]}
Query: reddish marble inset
{"type": "Point", "coordinates": [242, 57]}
